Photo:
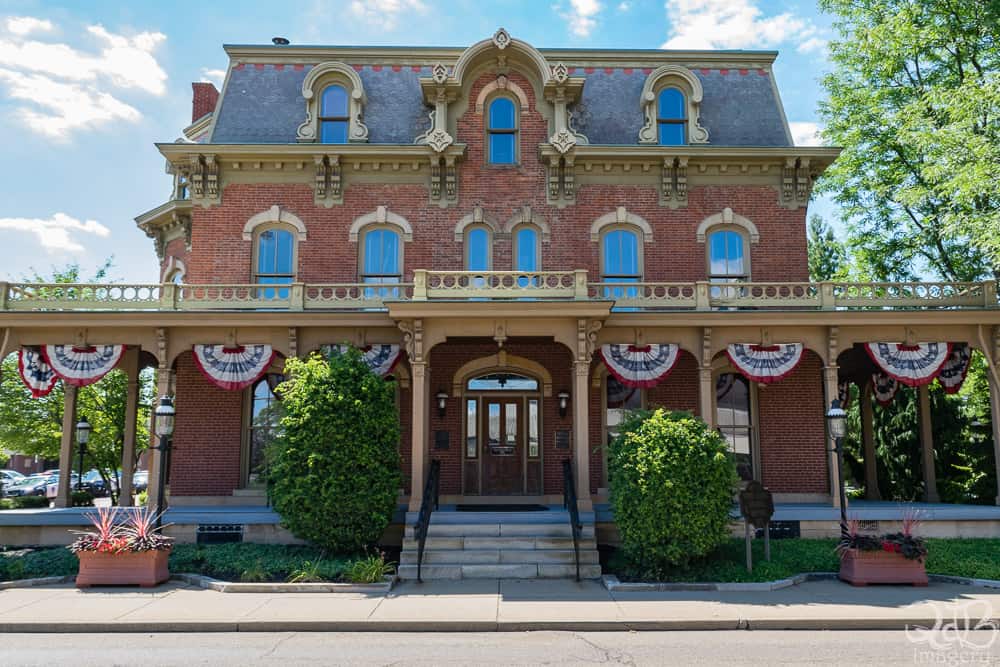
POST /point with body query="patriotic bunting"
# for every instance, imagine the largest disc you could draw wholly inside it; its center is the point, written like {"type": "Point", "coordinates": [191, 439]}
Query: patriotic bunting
{"type": "Point", "coordinates": [640, 365]}
{"type": "Point", "coordinates": [884, 387]}
{"type": "Point", "coordinates": [37, 375]}
{"type": "Point", "coordinates": [81, 366]}
{"type": "Point", "coordinates": [233, 367]}
{"type": "Point", "coordinates": [765, 363]}
{"type": "Point", "coordinates": [380, 358]}
{"type": "Point", "coordinates": [955, 368]}
{"type": "Point", "coordinates": [913, 365]}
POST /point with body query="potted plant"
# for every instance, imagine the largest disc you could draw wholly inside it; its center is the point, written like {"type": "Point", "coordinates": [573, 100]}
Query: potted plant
{"type": "Point", "coordinates": [127, 553]}
{"type": "Point", "coordinates": [894, 558]}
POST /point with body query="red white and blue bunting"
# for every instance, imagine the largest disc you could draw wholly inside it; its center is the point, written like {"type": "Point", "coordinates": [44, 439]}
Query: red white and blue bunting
{"type": "Point", "coordinates": [913, 365]}
{"type": "Point", "coordinates": [884, 387]}
{"type": "Point", "coordinates": [37, 375]}
{"type": "Point", "coordinates": [81, 366]}
{"type": "Point", "coordinates": [765, 363]}
{"type": "Point", "coordinates": [640, 365]}
{"type": "Point", "coordinates": [233, 367]}
{"type": "Point", "coordinates": [381, 359]}
{"type": "Point", "coordinates": [955, 369]}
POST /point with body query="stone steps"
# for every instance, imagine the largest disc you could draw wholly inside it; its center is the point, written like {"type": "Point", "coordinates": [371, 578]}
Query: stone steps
{"type": "Point", "coordinates": [494, 571]}
{"type": "Point", "coordinates": [492, 556]}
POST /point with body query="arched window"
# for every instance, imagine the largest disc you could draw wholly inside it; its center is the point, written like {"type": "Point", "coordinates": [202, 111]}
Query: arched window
{"type": "Point", "coordinates": [526, 249]}
{"type": "Point", "coordinates": [733, 415]}
{"type": "Point", "coordinates": [620, 262]}
{"type": "Point", "coordinates": [478, 246]}
{"type": "Point", "coordinates": [727, 262]}
{"type": "Point", "coordinates": [381, 261]}
{"type": "Point", "coordinates": [263, 426]}
{"type": "Point", "coordinates": [502, 131]}
{"type": "Point", "coordinates": [334, 118]}
{"type": "Point", "coordinates": [671, 117]}
{"type": "Point", "coordinates": [275, 261]}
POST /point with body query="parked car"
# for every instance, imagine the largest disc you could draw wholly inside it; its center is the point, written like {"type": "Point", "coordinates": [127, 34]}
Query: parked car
{"type": "Point", "coordinates": [94, 483]}
{"type": "Point", "coordinates": [140, 481]}
{"type": "Point", "coordinates": [10, 476]}
{"type": "Point", "coordinates": [32, 485]}
{"type": "Point", "coordinates": [52, 487]}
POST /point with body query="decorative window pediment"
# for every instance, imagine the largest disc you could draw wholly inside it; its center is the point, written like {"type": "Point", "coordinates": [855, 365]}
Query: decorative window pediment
{"type": "Point", "coordinates": [659, 106]}
{"type": "Point", "coordinates": [334, 96]}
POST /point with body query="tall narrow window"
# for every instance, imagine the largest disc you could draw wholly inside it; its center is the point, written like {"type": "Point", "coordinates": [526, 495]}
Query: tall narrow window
{"type": "Point", "coordinates": [526, 255]}
{"type": "Point", "coordinates": [275, 262]}
{"type": "Point", "coordinates": [620, 262]}
{"type": "Point", "coordinates": [380, 262]}
{"type": "Point", "coordinates": [263, 426]}
{"type": "Point", "coordinates": [334, 118]}
{"type": "Point", "coordinates": [727, 262]}
{"type": "Point", "coordinates": [733, 416]}
{"type": "Point", "coordinates": [477, 253]}
{"type": "Point", "coordinates": [502, 131]}
{"type": "Point", "coordinates": [671, 117]}
{"type": "Point", "coordinates": [471, 428]}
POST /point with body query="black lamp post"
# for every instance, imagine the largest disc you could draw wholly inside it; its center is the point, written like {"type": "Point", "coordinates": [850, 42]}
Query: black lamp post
{"type": "Point", "coordinates": [82, 438]}
{"type": "Point", "coordinates": [837, 420]}
{"type": "Point", "coordinates": [165, 414]}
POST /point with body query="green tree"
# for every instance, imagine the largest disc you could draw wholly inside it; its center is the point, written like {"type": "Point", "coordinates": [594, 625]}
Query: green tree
{"type": "Point", "coordinates": [914, 99]}
{"type": "Point", "coordinates": [826, 253]}
{"type": "Point", "coordinates": [334, 468]}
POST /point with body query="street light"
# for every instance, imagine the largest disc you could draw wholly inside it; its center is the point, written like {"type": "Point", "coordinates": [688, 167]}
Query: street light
{"type": "Point", "coordinates": [836, 418]}
{"type": "Point", "coordinates": [165, 414]}
{"type": "Point", "coordinates": [82, 438]}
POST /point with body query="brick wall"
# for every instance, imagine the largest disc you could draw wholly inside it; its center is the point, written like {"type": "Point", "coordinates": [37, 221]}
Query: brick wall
{"type": "Point", "coordinates": [204, 99]}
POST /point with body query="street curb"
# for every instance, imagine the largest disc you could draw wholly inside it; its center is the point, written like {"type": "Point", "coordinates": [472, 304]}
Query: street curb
{"type": "Point", "coordinates": [264, 587]}
{"type": "Point", "coordinates": [40, 581]}
{"type": "Point", "coordinates": [613, 584]}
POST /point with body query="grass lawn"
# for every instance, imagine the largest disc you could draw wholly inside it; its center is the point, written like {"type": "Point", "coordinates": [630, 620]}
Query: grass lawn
{"type": "Point", "coordinates": [230, 562]}
{"type": "Point", "coordinates": [976, 558]}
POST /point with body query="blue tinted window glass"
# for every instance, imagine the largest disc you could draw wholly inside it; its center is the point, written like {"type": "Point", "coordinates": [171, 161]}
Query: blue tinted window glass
{"type": "Point", "coordinates": [502, 148]}
{"type": "Point", "coordinates": [381, 252]}
{"type": "Point", "coordinates": [527, 250]}
{"type": "Point", "coordinates": [671, 134]}
{"type": "Point", "coordinates": [502, 114]}
{"type": "Point", "coordinates": [333, 132]}
{"type": "Point", "coordinates": [267, 242]}
{"type": "Point", "coordinates": [283, 252]}
{"type": "Point", "coordinates": [479, 249]}
{"type": "Point", "coordinates": [334, 102]}
{"type": "Point", "coordinates": [671, 104]}
{"type": "Point", "coordinates": [725, 254]}
{"type": "Point", "coordinates": [621, 253]}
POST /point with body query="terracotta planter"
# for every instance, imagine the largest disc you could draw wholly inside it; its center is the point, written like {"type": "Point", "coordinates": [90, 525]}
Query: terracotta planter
{"type": "Point", "coordinates": [143, 568]}
{"type": "Point", "coordinates": [860, 568]}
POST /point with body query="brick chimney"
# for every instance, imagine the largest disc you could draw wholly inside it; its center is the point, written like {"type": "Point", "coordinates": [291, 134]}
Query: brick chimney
{"type": "Point", "coordinates": [205, 97]}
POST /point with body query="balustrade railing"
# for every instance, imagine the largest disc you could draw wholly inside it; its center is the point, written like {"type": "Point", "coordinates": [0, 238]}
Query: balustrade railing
{"type": "Point", "coordinates": [499, 286]}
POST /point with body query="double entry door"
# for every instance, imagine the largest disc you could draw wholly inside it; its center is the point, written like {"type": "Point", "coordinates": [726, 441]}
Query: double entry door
{"type": "Point", "coordinates": [504, 434]}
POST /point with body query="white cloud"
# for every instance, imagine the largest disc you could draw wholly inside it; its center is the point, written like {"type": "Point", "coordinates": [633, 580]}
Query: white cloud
{"type": "Point", "coordinates": [817, 44]}
{"type": "Point", "coordinates": [61, 88]}
{"type": "Point", "coordinates": [581, 16]}
{"type": "Point", "coordinates": [730, 24]}
{"type": "Point", "coordinates": [624, 6]}
{"type": "Point", "coordinates": [215, 76]}
{"type": "Point", "coordinates": [384, 14]}
{"type": "Point", "coordinates": [24, 25]}
{"type": "Point", "coordinates": [805, 133]}
{"type": "Point", "coordinates": [54, 233]}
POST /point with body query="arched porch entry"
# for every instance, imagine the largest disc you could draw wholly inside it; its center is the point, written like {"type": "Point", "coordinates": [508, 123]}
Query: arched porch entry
{"type": "Point", "coordinates": [502, 414]}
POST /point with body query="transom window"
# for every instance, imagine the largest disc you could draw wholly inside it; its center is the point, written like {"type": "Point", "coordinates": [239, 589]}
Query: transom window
{"type": "Point", "coordinates": [502, 382]}
{"type": "Point", "coordinates": [381, 260]}
{"type": "Point", "coordinates": [671, 117]}
{"type": "Point", "coordinates": [275, 261]}
{"type": "Point", "coordinates": [502, 131]}
{"type": "Point", "coordinates": [334, 119]}
{"type": "Point", "coordinates": [733, 417]}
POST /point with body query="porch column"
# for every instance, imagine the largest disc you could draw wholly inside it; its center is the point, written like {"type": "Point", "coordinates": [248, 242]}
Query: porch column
{"type": "Point", "coordinates": [131, 367]}
{"type": "Point", "coordinates": [927, 445]}
{"type": "Point", "coordinates": [706, 395]}
{"type": "Point", "coordinates": [581, 433]}
{"type": "Point", "coordinates": [995, 420]}
{"type": "Point", "coordinates": [831, 392]}
{"type": "Point", "coordinates": [418, 420]}
{"type": "Point", "coordinates": [66, 446]}
{"type": "Point", "coordinates": [868, 440]}
{"type": "Point", "coordinates": [164, 384]}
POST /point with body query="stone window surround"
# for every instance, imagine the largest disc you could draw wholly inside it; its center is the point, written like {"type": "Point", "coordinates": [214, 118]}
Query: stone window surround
{"type": "Point", "coordinates": [684, 80]}
{"type": "Point", "coordinates": [318, 78]}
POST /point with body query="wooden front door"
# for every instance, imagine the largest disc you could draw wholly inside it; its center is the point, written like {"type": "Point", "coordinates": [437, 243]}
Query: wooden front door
{"type": "Point", "coordinates": [504, 446]}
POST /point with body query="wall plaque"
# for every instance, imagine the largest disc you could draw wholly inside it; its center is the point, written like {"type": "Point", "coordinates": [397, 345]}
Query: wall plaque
{"type": "Point", "coordinates": [441, 440]}
{"type": "Point", "coordinates": [563, 438]}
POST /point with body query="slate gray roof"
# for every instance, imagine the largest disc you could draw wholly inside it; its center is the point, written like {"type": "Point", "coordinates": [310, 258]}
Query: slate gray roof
{"type": "Point", "coordinates": [263, 104]}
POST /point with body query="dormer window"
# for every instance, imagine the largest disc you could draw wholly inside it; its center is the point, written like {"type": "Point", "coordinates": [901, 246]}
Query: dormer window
{"type": "Point", "coordinates": [502, 131]}
{"type": "Point", "coordinates": [333, 116]}
{"type": "Point", "coordinates": [671, 117]}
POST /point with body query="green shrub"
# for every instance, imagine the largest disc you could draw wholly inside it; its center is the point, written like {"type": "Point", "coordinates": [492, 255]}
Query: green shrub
{"type": "Point", "coordinates": [672, 482]}
{"type": "Point", "coordinates": [334, 466]}
{"type": "Point", "coordinates": [141, 498]}
{"type": "Point", "coordinates": [82, 499]}
{"type": "Point", "coordinates": [24, 502]}
{"type": "Point", "coordinates": [369, 570]}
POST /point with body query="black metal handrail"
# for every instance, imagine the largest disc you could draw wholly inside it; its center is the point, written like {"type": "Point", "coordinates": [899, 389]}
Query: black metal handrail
{"type": "Point", "coordinates": [570, 503]}
{"type": "Point", "coordinates": [428, 504]}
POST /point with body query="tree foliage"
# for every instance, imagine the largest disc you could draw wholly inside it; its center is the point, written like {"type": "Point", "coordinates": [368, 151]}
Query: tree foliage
{"type": "Point", "coordinates": [334, 468]}
{"type": "Point", "coordinates": [826, 254]}
{"type": "Point", "coordinates": [914, 99]}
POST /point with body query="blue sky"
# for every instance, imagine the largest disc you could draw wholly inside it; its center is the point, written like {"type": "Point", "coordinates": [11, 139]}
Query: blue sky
{"type": "Point", "coordinates": [87, 87]}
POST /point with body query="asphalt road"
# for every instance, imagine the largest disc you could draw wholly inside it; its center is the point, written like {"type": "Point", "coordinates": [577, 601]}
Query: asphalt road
{"type": "Point", "coordinates": [514, 648]}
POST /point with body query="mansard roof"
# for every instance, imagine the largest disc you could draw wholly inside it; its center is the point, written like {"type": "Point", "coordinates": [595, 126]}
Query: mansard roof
{"type": "Point", "coordinates": [262, 99]}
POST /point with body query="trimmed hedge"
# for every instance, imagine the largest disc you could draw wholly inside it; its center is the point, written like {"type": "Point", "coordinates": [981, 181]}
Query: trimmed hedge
{"type": "Point", "coordinates": [24, 502]}
{"type": "Point", "coordinates": [672, 482]}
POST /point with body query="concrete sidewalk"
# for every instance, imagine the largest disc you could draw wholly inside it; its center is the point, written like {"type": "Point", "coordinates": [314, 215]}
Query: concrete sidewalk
{"type": "Point", "coordinates": [488, 605]}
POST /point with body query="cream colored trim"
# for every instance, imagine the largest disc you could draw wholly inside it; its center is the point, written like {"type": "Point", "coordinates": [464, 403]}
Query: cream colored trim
{"type": "Point", "coordinates": [327, 74]}
{"type": "Point", "coordinates": [381, 216]}
{"type": "Point", "coordinates": [684, 80]}
{"type": "Point", "coordinates": [527, 216]}
{"type": "Point", "coordinates": [727, 218]}
{"type": "Point", "coordinates": [498, 362]}
{"type": "Point", "coordinates": [199, 127]}
{"type": "Point", "coordinates": [477, 217]}
{"type": "Point", "coordinates": [172, 268]}
{"type": "Point", "coordinates": [502, 84]}
{"type": "Point", "coordinates": [503, 43]}
{"type": "Point", "coordinates": [259, 229]}
{"type": "Point", "coordinates": [620, 216]}
{"type": "Point", "coordinates": [274, 214]}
